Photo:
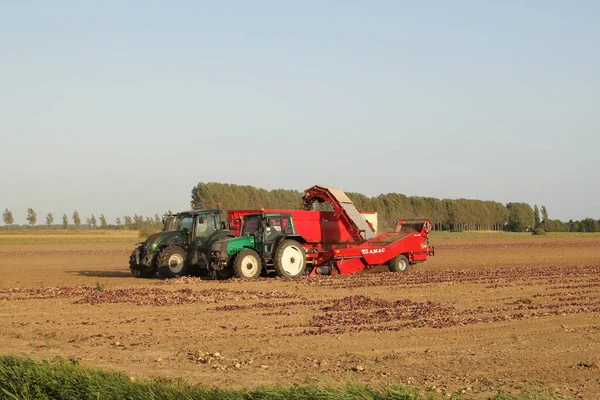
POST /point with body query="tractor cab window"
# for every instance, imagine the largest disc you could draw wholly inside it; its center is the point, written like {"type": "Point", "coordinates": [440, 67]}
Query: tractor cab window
{"type": "Point", "coordinates": [184, 222]}
{"type": "Point", "coordinates": [276, 225]}
{"type": "Point", "coordinates": [205, 226]}
{"type": "Point", "coordinates": [280, 223]}
{"type": "Point", "coordinates": [251, 224]}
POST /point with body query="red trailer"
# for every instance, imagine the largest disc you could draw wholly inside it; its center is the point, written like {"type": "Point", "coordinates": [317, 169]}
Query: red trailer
{"type": "Point", "coordinates": [343, 240]}
{"type": "Point", "coordinates": [317, 227]}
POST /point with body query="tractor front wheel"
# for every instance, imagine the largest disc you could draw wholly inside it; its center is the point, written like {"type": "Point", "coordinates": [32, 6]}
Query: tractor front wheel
{"type": "Point", "coordinates": [137, 270]}
{"type": "Point", "coordinates": [290, 259]}
{"type": "Point", "coordinates": [247, 264]}
{"type": "Point", "coordinates": [398, 264]}
{"type": "Point", "coordinates": [171, 262]}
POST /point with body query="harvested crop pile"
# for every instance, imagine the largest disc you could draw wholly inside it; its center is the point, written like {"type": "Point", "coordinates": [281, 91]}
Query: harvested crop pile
{"type": "Point", "coordinates": [163, 298]}
{"type": "Point", "coordinates": [141, 296]}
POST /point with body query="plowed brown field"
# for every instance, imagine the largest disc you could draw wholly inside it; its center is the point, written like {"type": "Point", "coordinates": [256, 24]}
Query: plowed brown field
{"type": "Point", "coordinates": [483, 314]}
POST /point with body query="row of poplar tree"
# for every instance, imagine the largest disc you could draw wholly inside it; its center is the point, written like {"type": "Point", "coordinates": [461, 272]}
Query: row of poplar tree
{"type": "Point", "coordinates": [446, 214]}
{"type": "Point", "coordinates": [137, 222]}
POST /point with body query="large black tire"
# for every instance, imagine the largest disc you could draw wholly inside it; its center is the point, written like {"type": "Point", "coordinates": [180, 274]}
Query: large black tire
{"type": "Point", "coordinates": [172, 262]}
{"type": "Point", "coordinates": [247, 264]}
{"type": "Point", "coordinates": [140, 271]}
{"type": "Point", "coordinates": [398, 264]}
{"type": "Point", "coordinates": [290, 259]}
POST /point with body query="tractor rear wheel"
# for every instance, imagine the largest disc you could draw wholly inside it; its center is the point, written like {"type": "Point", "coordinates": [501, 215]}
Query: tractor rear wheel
{"type": "Point", "coordinates": [171, 262]}
{"type": "Point", "coordinates": [247, 264]}
{"type": "Point", "coordinates": [398, 264]}
{"type": "Point", "coordinates": [290, 259]}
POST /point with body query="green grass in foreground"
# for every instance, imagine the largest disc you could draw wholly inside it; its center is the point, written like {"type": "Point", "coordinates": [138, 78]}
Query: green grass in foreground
{"type": "Point", "coordinates": [22, 378]}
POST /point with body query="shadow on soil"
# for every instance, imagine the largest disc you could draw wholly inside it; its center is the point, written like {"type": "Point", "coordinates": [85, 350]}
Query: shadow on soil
{"type": "Point", "coordinates": [127, 274]}
{"type": "Point", "coordinates": [104, 274]}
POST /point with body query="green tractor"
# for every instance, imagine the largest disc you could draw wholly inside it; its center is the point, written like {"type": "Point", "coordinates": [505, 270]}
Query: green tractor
{"type": "Point", "coordinates": [268, 242]}
{"type": "Point", "coordinates": [182, 246]}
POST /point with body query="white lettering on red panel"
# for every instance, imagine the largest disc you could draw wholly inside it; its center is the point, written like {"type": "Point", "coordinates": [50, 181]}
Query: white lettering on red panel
{"type": "Point", "coordinates": [373, 251]}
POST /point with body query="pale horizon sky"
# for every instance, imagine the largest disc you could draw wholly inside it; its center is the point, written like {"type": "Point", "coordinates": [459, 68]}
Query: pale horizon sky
{"type": "Point", "coordinates": [121, 108]}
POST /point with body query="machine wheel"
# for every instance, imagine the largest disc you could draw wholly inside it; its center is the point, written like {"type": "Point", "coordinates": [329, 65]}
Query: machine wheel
{"type": "Point", "coordinates": [247, 264]}
{"type": "Point", "coordinates": [137, 270]}
{"type": "Point", "coordinates": [290, 259]}
{"type": "Point", "coordinates": [398, 264]}
{"type": "Point", "coordinates": [171, 262]}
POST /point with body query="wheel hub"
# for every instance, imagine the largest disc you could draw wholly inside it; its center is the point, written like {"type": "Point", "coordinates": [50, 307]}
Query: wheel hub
{"type": "Point", "coordinates": [292, 263]}
{"type": "Point", "coordinates": [250, 265]}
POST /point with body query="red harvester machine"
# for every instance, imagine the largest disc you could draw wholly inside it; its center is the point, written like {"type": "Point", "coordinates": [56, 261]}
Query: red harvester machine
{"type": "Point", "coordinates": [343, 241]}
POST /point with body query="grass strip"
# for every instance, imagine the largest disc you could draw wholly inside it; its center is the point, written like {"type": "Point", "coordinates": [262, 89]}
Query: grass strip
{"type": "Point", "coordinates": [23, 378]}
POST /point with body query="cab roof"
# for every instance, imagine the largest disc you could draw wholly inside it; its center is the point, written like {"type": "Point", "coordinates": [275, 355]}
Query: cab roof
{"type": "Point", "coordinates": [195, 211]}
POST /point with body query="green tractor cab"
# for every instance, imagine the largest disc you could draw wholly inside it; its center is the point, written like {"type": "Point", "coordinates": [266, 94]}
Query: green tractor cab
{"type": "Point", "coordinates": [183, 244]}
{"type": "Point", "coordinates": [268, 242]}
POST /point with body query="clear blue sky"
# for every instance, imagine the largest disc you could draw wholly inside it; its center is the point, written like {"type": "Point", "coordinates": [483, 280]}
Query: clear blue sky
{"type": "Point", "coordinates": [121, 107]}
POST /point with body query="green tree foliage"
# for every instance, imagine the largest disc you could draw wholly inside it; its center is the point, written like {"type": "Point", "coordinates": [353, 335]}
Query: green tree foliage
{"type": "Point", "coordinates": [31, 217]}
{"type": "Point", "coordinates": [149, 226]}
{"type": "Point", "coordinates": [553, 225]}
{"type": "Point", "coordinates": [590, 225]}
{"type": "Point", "coordinates": [585, 225]}
{"type": "Point", "coordinates": [575, 226]}
{"type": "Point", "coordinates": [50, 220]}
{"type": "Point", "coordinates": [460, 214]}
{"type": "Point", "coordinates": [103, 222]}
{"type": "Point", "coordinates": [536, 215]}
{"type": "Point", "coordinates": [138, 222]}
{"type": "Point", "coordinates": [546, 222]}
{"type": "Point", "coordinates": [128, 222]}
{"type": "Point", "coordinates": [520, 217]}
{"type": "Point", "coordinates": [556, 225]}
{"type": "Point", "coordinates": [76, 219]}
{"type": "Point", "coordinates": [92, 222]}
{"type": "Point", "coordinates": [65, 221]}
{"type": "Point", "coordinates": [544, 214]}
{"type": "Point", "coordinates": [231, 197]}
{"type": "Point", "coordinates": [8, 218]}
{"type": "Point", "coordinates": [119, 223]}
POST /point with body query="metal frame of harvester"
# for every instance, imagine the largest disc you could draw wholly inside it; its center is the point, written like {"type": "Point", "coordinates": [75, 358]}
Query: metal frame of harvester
{"type": "Point", "coordinates": [356, 245]}
{"type": "Point", "coordinates": [407, 244]}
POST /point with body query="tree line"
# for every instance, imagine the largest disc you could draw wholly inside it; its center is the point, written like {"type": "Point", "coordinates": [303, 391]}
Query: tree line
{"type": "Point", "coordinates": [446, 214]}
{"type": "Point", "coordinates": [135, 222]}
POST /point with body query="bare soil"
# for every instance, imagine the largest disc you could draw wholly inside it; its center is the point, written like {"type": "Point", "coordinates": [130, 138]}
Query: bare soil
{"type": "Point", "coordinates": [483, 314]}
